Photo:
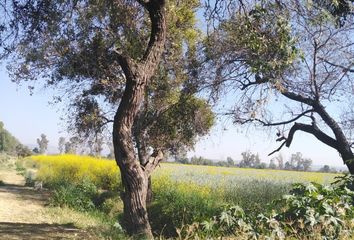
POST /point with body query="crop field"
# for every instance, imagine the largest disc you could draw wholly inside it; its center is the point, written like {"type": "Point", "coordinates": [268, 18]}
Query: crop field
{"type": "Point", "coordinates": [182, 194]}
{"type": "Point", "coordinates": [250, 188]}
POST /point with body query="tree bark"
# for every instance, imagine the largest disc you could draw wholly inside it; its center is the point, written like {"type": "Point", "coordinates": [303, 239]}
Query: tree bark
{"type": "Point", "coordinates": [135, 176]}
{"type": "Point", "coordinates": [343, 145]}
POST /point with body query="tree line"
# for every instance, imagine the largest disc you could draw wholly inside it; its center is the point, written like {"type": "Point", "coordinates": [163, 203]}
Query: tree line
{"type": "Point", "coordinates": [250, 160]}
{"type": "Point", "coordinates": [296, 162]}
{"type": "Point", "coordinates": [10, 145]}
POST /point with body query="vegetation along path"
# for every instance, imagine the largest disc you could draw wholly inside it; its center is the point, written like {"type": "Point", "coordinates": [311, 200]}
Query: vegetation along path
{"type": "Point", "coordinates": [23, 214]}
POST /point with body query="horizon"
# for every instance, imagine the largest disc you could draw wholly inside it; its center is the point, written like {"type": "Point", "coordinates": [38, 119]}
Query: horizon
{"type": "Point", "coordinates": [26, 117]}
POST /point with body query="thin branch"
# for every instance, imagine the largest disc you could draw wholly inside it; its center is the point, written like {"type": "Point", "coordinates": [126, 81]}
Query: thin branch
{"type": "Point", "coordinates": [345, 69]}
{"type": "Point", "coordinates": [278, 149]}
{"type": "Point", "coordinates": [269, 124]}
{"type": "Point", "coordinates": [312, 129]}
{"type": "Point", "coordinates": [258, 80]}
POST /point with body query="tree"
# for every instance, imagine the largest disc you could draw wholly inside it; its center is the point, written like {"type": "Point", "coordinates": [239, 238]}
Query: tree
{"type": "Point", "coordinates": [230, 161]}
{"type": "Point", "coordinates": [71, 147]}
{"type": "Point", "coordinates": [42, 143]}
{"type": "Point", "coordinates": [250, 160]}
{"type": "Point", "coordinates": [35, 150]}
{"type": "Point", "coordinates": [298, 163]}
{"type": "Point", "coordinates": [110, 59]}
{"type": "Point", "coordinates": [61, 145]}
{"type": "Point", "coordinates": [292, 65]}
{"type": "Point", "coordinates": [280, 160]}
{"type": "Point", "coordinates": [272, 164]}
{"type": "Point", "coordinates": [8, 142]}
{"type": "Point", "coordinates": [325, 169]}
{"type": "Point", "coordinates": [23, 151]}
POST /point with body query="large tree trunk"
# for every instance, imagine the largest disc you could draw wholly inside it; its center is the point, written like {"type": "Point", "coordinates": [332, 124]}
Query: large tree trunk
{"type": "Point", "coordinates": [134, 174]}
{"type": "Point", "coordinates": [343, 145]}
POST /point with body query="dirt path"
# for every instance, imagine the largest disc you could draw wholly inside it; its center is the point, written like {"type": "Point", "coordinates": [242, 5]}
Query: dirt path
{"type": "Point", "coordinates": [23, 215]}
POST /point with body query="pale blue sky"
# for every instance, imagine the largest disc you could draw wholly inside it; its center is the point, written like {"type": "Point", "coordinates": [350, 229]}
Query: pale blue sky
{"type": "Point", "coordinates": [26, 117]}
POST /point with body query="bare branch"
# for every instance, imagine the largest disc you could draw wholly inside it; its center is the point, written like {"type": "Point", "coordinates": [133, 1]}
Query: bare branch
{"type": "Point", "coordinates": [258, 80]}
{"type": "Point", "coordinates": [269, 124]}
{"type": "Point", "coordinates": [278, 149]}
{"type": "Point", "coordinates": [345, 69]}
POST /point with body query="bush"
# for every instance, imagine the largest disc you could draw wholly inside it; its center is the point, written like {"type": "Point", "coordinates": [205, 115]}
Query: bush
{"type": "Point", "coordinates": [29, 179]}
{"type": "Point", "coordinates": [310, 211]}
{"type": "Point", "coordinates": [80, 197]}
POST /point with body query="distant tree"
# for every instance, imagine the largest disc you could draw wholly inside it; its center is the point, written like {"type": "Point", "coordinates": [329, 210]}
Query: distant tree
{"type": "Point", "coordinates": [8, 142]}
{"type": "Point", "coordinates": [262, 165]}
{"type": "Point", "coordinates": [96, 145]}
{"type": "Point", "coordinates": [35, 150]}
{"type": "Point", "coordinates": [230, 161]}
{"type": "Point", "coordinates": [201, 161]}
{"type": "Point", "coordinates": [110, 155]}
{"type": "Point", "coordinates": [23, 151]}
{"type": "Point", "coordinates": [298, 163]}
{"type": "Point", "coordinates": [69, 148]}
{"type": "Point", "coordinates": [249, 160]}
{"type": "Point", "coordinates": [272, 164]}
{"type": "Point", "coordinates": [306, 164]}
{"type": "Point", "coordinates": [280, 160]}
{"type": "Point", "coordinates": [61, 145]}
{"type": "Point", "coordinates": [288, 166]}
{"type": "Point", "coordinates": [182, 160]}
{"type": "Point", "coordinates": [181, 157]}
{"type": "Point", "coordinates": [325, 169]}
{"type": "Point", "coordinates": [42, 143]}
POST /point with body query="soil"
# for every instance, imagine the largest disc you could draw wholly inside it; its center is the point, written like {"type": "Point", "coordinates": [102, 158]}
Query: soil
{"type": "Point", "coordinates": [22, 212]}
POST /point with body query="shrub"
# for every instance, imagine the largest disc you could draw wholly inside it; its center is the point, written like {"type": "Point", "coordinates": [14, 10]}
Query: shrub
{"type": "Point", "coordinates": [310, 211]}
{"type": "Point", "coordinates": [80, 197]}
{"type": "Point", "coordinates": [29, 179]}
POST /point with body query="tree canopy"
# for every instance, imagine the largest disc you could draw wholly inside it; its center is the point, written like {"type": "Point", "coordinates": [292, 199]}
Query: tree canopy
{"type": "Point", "coordinates": [122, 65]}
{"type": "Point", "coordinates": [8, 142]}
{"type": "Point", "coordinates": [291, 65]}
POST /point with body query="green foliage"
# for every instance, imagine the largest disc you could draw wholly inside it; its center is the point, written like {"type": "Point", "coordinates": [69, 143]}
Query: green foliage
{"type": "Point", "coordinates": [339, 9]}
{"type": "Point", "coordinates": [310, 211]}
{"type": "Point", "coordinates": [20, 168]}
{"type": "Point", "coordinates": [29, 179]}
{"type": "Point", "coordinates": [80, 197]}
{"type": "Point", "coordinates": [184, 203]}
{"type": "Point", "coordinates": [8, 143]}
{"type": "Point", "coordinates": [263, 36]}
{"type": "Point", "coordinates": [23, 151]}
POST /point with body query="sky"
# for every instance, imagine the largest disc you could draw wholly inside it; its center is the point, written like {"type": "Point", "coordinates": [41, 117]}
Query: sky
{"type": "Point", "coordinates": [26, 117]}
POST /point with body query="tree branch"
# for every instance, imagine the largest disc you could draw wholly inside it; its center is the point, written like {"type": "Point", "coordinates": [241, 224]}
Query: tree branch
{"type": "Point", "coordinates": [345, 69]}
{"type": "Point", "coordinates": [156, 9]}
{"type": "Point", "coordinates": [312, 129]}
{"type": "Point", "coordinates": [154, 160]}
{"type": "Point", "coordinates": [269, 124]}
{"type": "Point", "coordinates": [258, 80]}
{"type": "Point", "coordinates": [298, 97]}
